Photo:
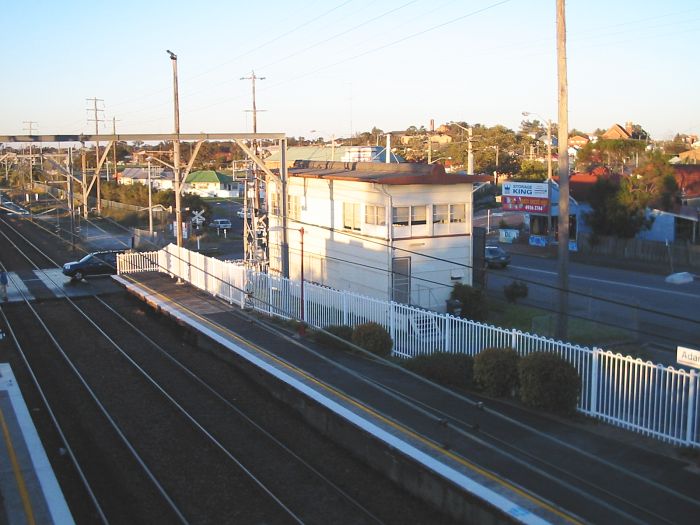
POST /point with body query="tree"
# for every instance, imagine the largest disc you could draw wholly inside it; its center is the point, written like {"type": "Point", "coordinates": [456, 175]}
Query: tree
{"type": "Point", "coordinates": [613, 153]}
{"type": "Point", "coordinates": [613, 212]}
{"type": "Point", "coordinates": [529, 127]}
{"type": "Point", "coordinates": [654, 184]}
{"type": "Point", "coordinates": [532, 170]}
{"type": "Point", "coordinates": [619, 206]}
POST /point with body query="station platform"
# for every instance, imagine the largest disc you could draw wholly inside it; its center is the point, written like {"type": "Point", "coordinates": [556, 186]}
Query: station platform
{"type": "Point", "coordinates": [29, 491]}
{"type": "Point", "coordinates": [337, 392]}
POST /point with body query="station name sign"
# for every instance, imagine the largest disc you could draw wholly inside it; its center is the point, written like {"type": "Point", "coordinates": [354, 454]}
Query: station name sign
{"type": "Point", "coordinates": [531, 197]}
{"type": "Point", "coordinates": [688, 357]}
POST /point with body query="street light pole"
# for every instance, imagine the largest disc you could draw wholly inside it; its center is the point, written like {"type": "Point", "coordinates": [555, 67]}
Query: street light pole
{"type": "Point", "coordinates": [549, 175]}
{"type": "Point", "coordinates": [150, 202]}
{"type": "Point", "coordinates": [176, 152]}
{"type": "Point", "coordinates": [302, 327]}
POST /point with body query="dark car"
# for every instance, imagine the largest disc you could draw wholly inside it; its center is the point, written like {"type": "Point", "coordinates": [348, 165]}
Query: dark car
{"type": "Point", "coordinates": [496, 257]}
{"type": "Point", "coordinates": [97, 263]}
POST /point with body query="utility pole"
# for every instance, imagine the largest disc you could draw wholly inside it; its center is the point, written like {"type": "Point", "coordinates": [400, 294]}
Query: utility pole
{"type": "Point", "coordinates": [470, 152]}
{"type": "Point", "coordinates": [176, 151]}
{"type": "Point", "coordinates": [549, 181]}
{"type": "Point", "coordinates": [29, 128]}
{"type": "Point", "coordinates": [97, 121]}
{"type": "Point", "coordinates": [114, 150]}
{"type": "Point", "coordinates": [253, 78]}
{"type": "Point", "coordinates": [563, 119]}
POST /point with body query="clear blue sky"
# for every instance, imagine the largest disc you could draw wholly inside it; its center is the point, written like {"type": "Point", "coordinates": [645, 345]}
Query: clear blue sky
{"type": "Point", "coordinates": [338, 66]}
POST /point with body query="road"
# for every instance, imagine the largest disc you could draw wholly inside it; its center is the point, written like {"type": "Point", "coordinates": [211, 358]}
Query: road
{"type": "Point", "coordinates": [658, 312]}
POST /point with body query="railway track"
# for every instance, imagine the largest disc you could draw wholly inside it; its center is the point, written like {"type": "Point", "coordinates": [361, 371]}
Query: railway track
{"type": "Point", "coordinates": [599, 487]}
{"type": "Point", "coordinates": [159, 431]}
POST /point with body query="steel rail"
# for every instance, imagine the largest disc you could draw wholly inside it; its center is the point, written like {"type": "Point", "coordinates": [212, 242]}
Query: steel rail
{"type": "Point", "coordinates": [196, 378]}
{"type": "Point", "coordinates": [93, 395]}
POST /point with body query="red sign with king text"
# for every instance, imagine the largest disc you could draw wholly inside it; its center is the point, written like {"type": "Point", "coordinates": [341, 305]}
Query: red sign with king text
{"type": "Point", "coordinates": [527, 204]}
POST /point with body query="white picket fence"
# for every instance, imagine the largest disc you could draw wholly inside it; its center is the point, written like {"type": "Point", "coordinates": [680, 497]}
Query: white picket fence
{"type": "Point", "coordinates": [654, 400]}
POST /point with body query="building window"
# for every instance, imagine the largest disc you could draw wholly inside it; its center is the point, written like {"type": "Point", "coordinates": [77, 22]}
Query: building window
{"type": "Point", "coordinates": [293, 207]}
{"type": "Point", "coordinates": [444, 213]}
{"type": "Point", "coordinates": [274, 203]}
{"type": "Point", "coordinates": [418, 215]}
{"type": "Point", "coordinates": [458, 213]}
{"type": "Point", "coordinates": [375, 214]}
{"type": "Point", "coordinates": [409, 215]}
{"type": "Point", "coordinates": [441, 213]}
{"type": "Point", "coordinates": [400, 215]}
{"type": "Point", "coordinates": [351, 216]}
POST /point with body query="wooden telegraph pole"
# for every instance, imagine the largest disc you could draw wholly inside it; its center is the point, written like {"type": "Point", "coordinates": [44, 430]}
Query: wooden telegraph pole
{"type": "Point", "coordinates": [563, 118]}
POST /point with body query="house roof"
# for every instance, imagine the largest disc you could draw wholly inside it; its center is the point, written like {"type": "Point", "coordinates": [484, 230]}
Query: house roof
{"type": "Point", "coordinates": [691, 157]}
{"type": "Point", "coordinates": [382, 173]}
{"type": "Point", "coordinates": [139, 172]}
{"type": "Point", "coordinates": [208, 176]}
{"type": "Point", "coordinates": [581, 183]}
{"type": "Point", "coordinates": [616, 132]}
{"type": "Point", "coordinates": [318, 153]}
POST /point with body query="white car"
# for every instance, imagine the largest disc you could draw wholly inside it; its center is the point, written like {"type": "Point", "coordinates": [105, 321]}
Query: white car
{"type": "Point", "coordinates": [241, 213]}
{"type": "Point", "coordinates": [221, 224]}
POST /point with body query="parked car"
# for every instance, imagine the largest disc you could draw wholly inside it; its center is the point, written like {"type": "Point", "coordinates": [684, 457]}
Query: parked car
{"type": "Point", "coordinates": [241, 213]}
{"type": "Point", "coordinates": [221, 224]}
{"type": "Point", "coordinates": [96, 263]}
{"type": "Point", "coordinates": [496, 257]}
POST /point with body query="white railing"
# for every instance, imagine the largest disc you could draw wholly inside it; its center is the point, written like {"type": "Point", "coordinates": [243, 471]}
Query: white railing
{"type": "Point", "coordinates": [654, 400]}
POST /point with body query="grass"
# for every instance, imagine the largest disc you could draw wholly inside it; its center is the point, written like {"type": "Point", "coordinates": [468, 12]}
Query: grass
{"type": "Point", "coordinates": [542, 322]}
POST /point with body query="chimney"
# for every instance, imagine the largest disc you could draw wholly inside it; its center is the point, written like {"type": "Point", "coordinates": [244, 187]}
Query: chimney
{"type": "Point", "coordinates": [628, 127]}
{"type": "Point", "coordinates": [432, 125]}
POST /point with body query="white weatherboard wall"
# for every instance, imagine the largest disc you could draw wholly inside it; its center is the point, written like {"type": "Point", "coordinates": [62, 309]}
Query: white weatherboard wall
{"type": "Point", "coordinates": [360, 260]}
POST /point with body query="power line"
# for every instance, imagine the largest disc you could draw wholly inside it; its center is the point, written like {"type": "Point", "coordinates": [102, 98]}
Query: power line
{"type": "Point", "coordinates": [525, 280]}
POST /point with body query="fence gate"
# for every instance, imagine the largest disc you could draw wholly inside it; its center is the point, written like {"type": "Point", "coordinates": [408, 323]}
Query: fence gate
{"type": "Point", "coordinates": [401, 279]}
{"type": "Point", "coordinates": [478, 262]}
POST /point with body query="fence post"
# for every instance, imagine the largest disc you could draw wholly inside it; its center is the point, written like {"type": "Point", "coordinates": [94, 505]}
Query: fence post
{"type": "Point", "coordinates": [594, 372]}
{"type": "Point", "coordinates": [392, 322]}
{"type": "Point", "coordinates": [513, 339]}
{"type": "Point", "coordinates": [345, 309]}
{"type": "Point", "coordinates": [448, 332]}
{"type": "Point", "coordinates": [691, 409]}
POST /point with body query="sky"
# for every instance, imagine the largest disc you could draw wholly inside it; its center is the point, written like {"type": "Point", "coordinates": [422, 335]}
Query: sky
{"type": "Point", "coordinates": [338, 67]}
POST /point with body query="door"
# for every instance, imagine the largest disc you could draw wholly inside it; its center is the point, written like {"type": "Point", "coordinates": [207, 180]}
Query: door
{"type": "Point", "coordinates": [401, 279]}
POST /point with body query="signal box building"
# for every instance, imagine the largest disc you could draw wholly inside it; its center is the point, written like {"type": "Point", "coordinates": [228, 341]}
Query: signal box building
{"type": "Point", "coordinates": [399, 232]}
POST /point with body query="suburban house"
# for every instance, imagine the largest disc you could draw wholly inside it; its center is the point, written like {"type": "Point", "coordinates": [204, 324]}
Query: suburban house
{"type": "Point", "coordinates": [205, 183]}
{"type": "Point", "coordinates": [578, 141]}
{"type": "Point", "coordinates": [210, 183]}
{"type": "Point", "coordinates": [400, 232]}
{"type": "Point", "coordinates": [161, 178]}
{"type": "Point", "coordinates": [325, 153]}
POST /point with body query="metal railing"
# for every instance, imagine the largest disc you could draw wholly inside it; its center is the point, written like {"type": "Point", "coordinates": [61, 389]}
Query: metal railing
{"type": "Point", "coordinates": [655, 400]}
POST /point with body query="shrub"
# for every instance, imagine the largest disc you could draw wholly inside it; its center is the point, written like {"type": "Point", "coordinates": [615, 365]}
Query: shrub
{"type": "Point", "coordinates": [447, 369]}
{"type": "Point", "coordinates": [548, 382]}
{"type": "Point", "coordinates": [342, 331]}
{"type": "Point", "coordinates": [515, 290]}
{"type": "Point", "coordinates": [496, 371]}
{"type": "Point", "coordinates": [374, 338]}
{"type": "Point", "coordinates": [472, 302]}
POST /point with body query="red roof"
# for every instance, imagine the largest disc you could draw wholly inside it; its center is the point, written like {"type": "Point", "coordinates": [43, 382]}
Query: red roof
{"type": "Point", "coordinates": [381, 173]}
{"type": "Point", "coordinates": [580, 183]}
